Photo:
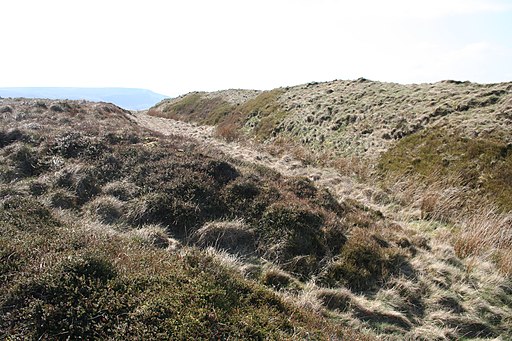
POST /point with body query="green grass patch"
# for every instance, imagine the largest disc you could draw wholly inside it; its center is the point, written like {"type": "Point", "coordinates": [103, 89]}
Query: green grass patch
{"type": "Point", "coordinates": [263, 113]}
{"type": "Point", "coordinates": [483, 164]}
{"type": "Point", "coordinates": [259, 116]}
{"type": "Point", "coordinates": [196, 108]}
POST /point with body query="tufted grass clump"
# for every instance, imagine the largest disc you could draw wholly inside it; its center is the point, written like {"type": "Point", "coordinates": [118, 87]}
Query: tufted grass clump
{"type": "Point", "coordinates": [152, 235]}
{"type": "Point", "coordinates": [122, 190]}
{"type": "Point", "coordinates": [106, 209]}
{"type": "Point", "coordinates": [232, 236]}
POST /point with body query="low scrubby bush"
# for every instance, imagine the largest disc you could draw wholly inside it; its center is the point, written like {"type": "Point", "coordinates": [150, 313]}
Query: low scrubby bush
{"type": "Point", "coordinates": [76, 144]}
{"type": "Point", "coordinates": [10, 136]}
{"type": "Point", "coordinates": [249, 197]}
{"type": "Point", "coordinates": [288, 230]}
{"type": "Point", "coordinates": [26, 160]}
{"type": "Point", "coordinates": [61, 198]}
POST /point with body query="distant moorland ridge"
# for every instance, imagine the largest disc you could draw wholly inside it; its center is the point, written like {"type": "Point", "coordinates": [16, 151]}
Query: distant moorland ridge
{"type": "Point", "coordinates": [127, 98]}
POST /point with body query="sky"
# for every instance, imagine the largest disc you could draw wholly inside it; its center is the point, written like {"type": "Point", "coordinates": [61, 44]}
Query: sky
{"type": "Point", "coordinates": [173, 47]}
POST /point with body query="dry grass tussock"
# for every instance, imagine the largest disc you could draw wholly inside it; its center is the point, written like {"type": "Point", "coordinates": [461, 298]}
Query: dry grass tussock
{"type": "Point", "coordinates": [488, 235]}
{"type": "Point", "coordinates": [233, 236]}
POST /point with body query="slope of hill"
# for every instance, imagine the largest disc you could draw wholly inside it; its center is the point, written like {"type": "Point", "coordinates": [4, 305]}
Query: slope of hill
{"type": "Point", "coordinates": [131, 99]}
{"type": "Point", "coordinates": [111, 230]}
{"type": "Point", "coordinates": [390, 126]}
{"type": "Point", "coordinates": [359, 117]}
{"type": "Point", "coordinates": [435, 157]}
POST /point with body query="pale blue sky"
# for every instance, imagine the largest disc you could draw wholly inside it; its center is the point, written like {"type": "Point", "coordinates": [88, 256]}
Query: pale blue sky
{"type": "Point", "coordinates": [174, 47]}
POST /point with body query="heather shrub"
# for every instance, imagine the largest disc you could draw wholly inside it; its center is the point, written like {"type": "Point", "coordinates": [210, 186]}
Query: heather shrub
{"type": "Point", "coordinates": [180, 217]}
{"type": "Point", "coordinates": [26, 214]}
{"type": "Point", "coordinates": [61, 198]}
{"type": "Point", "coordinates": [91, 266]}
{"type": "Point", "coordinates": [38, 187]}
{"type": "Point", "coordinates": [302, 187]}
{"type": "Point", "coordinates": [6, 109]}
{"type": "Point", "coordinates": [76, 144]}
{"type": "Point", "coordinates": [26, 160]}
{"type": "Point", "coordinates": [287, 230]}
{"type": "Point", "coordinates": [221, 171]}
{"type": "Point", "coordinates": [86, 185]}
{"type": "Point", "coordinates": [80, 179]}
{"type": "Point", "coordinates": [249, 197]}
{"type": "Point", "coordinates": [11, 136]}
{"type": "Point", "coordinates": [10, 260]}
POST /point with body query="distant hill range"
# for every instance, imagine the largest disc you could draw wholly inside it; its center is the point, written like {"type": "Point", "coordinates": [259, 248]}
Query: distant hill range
{"type": "Point", "coordinates": [127, 98]}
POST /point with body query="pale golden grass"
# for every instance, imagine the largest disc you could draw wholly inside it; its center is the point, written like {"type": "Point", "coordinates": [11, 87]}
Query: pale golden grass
{"type": "Point", "coordinates": [428, 199]}
{"type": "Point", "coordinates": [232, 236]}
{"type": "Point", "coordinates": [307, 298]}
{"type": "Point", "coordinates": [472, 224]}
{"type": "Point", "coordinates": [154, 235]}
{"type": "Point", "coordinates": [430, 333]}
{"type": "Point", "coordinates": [106, 208]}
{"type": "Point", "coordinates": [484, 234]}
{"type": "Point", "coordinates": [352, 166]}
{"type": "Point", "coordinates": [226, 259]}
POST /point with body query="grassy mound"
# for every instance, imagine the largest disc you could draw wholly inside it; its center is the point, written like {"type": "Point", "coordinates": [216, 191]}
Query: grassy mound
{"type": "Point", "coordinates": [196, 108]}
